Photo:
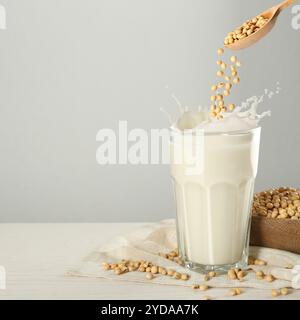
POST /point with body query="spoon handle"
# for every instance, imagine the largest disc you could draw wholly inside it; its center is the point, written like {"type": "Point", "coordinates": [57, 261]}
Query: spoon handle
{"type": "Point", "coordinates": [285, 4]}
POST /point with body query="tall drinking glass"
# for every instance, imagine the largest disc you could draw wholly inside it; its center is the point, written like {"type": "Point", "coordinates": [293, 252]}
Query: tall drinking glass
{"type": "Point", "coordinates": [213, 176]}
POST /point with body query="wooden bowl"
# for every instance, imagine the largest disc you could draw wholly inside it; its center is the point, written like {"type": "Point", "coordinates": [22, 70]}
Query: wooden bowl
{"type": "Point", "coordinates": [282, 234]}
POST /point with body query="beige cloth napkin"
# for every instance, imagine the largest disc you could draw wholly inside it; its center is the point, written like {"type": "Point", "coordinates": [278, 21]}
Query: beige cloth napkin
{"type": "Point", "coordinates": [145, 242]}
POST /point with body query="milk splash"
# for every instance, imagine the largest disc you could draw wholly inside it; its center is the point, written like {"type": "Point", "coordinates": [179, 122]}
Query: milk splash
{"type": "Point", "coordinates": [244, 117]}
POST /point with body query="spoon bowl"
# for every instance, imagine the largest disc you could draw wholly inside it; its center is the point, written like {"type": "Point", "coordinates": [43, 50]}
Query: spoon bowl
{"type": "Point", "coordinates": [270, 14]}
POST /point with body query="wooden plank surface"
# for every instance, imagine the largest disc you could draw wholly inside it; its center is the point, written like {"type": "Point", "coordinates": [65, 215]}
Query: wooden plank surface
{"type": "Point", "coordinates": [36, 256]}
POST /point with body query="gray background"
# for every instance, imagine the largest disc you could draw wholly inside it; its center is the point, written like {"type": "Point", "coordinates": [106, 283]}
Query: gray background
{"type": "Point", "coordinates": [71, 67]}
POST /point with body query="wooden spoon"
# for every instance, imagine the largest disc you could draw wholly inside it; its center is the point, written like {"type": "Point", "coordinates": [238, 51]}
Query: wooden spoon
{"type": "Point", "coordinates": [271, 14]}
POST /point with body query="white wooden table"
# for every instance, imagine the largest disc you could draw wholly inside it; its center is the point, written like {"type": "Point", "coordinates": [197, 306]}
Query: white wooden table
{"type": "Point", "coordinates": [36, 256]}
